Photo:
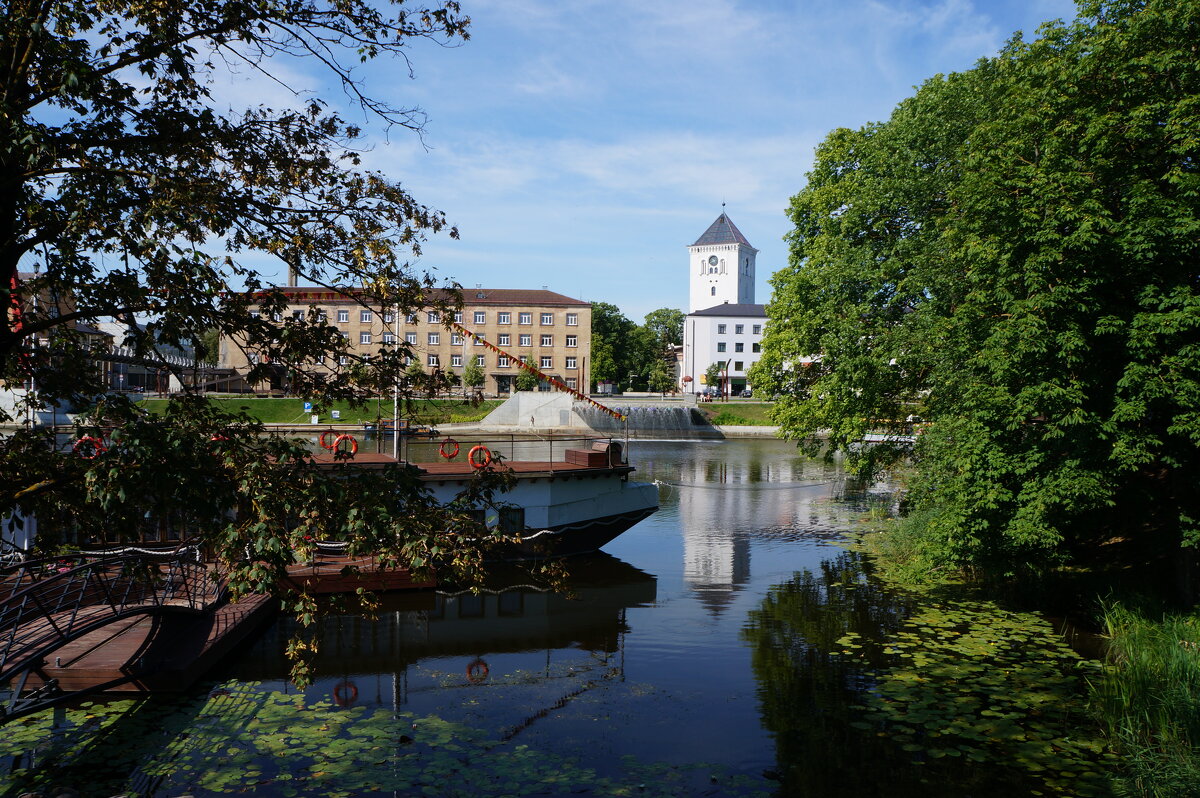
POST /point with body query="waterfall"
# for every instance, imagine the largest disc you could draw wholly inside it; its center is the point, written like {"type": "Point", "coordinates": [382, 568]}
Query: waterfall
{"type": "Point", "coordinates": [649, 421]}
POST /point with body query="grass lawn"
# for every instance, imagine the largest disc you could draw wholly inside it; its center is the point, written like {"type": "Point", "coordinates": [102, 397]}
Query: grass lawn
{"type": "Point", "coordinates": [738, 414]}
{"type": "Point", "coordinates": [291, 411]}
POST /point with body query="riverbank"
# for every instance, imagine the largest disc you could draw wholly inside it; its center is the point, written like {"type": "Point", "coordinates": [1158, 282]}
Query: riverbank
{"type": "Point", "coordinates": [1143, 685]}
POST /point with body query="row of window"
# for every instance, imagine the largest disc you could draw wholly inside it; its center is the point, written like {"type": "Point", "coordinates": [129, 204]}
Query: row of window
{"type": "Point", "coordinates": [739, 329]}
{"type": "Point", "coordinates": [435, 339]}
{"type": "Point", "coordinates": [478, 317]}
{"type": "Point", "coordinates": [739, 347]}
{"type": "Point", "coordinates": [503, 361]}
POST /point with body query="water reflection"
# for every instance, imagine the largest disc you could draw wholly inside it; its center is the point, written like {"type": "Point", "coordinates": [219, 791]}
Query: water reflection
{"type": "Point", "coordinates": [510, 617]}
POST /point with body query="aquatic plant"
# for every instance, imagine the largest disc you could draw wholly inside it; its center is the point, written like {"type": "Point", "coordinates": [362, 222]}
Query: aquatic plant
{"type": "Point", "coordinates": [1148, 698]}
{"type": "Point", "coordinates": [242, 739]}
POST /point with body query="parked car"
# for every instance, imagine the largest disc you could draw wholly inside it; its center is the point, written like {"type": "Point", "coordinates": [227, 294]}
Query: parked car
{"type": "Point", "coordinates": [746, 393]}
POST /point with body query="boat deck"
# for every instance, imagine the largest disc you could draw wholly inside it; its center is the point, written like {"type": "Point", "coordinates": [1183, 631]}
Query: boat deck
{"type": "Point", "coordinates": [460, 469]}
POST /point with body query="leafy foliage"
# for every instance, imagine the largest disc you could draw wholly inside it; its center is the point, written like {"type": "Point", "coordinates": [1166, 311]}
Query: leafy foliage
{"type": "Point", "coordinates": [131, 194]}
{"type": "Point", "coordinates": [1012, 256]}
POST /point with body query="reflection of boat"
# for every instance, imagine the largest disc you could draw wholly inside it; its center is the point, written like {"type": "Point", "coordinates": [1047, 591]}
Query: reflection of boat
{"type": "Point", "coordinates": [571, 495]}
{"type": "Point", "coordinates": [508, 616]}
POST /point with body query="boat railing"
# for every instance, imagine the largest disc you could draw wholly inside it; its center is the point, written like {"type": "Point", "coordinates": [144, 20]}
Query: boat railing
{"type": "Point", "coordinates": [551, 452]}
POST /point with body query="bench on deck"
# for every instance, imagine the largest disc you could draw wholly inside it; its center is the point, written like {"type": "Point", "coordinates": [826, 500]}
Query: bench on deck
{"type": "Point", "coordinates": [603, 454]}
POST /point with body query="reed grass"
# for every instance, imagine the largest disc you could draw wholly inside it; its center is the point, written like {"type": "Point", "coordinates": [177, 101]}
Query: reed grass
{"type": "Point", "coordinates": [1149, 699]}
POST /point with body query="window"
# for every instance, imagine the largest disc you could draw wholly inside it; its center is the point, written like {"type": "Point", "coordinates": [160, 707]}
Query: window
{"type": "Point", "coordinates": [480, 316]}
{"type": "Point", "coordinates": [364, 338]}
{"type": "Point", "coordinates": [322, 317]}
{"type": "Point", "coordinates": [572, 319]}
{"type": "Point", "coordinates": [479, 360]}
{"type": "Point", "coordinates": [505, 339]}
{"type": "Point", "coordinates": [757, 329]}
{"type": "Point", "coordinates": [389, 317]}
{"type": "Point", "coordinates": [410, 337]}
{"type": "Point", "coordinates": [739, 347]}
{"type": "Point", "coordinates": [364, 316]}
{"type": "Point", "coordinates": [431, 316]}
{"type": "Point", "coordinates": [389, 338]}
{"type": "Point", "coordinates": [276, 316]}
{"type": "Point", "coordinates": [547, 340]}
{"type": "Point", "coordinates": [458, 318]}
{"type": "Point", "coordinates": [298, 315]}
{"type": "Point", "coordinates": [502, 362]}
{"type": "Point", "coordinates": [712, 291]}
{"type": "Point", "coordinates": [435, 339]}
{"type": "Point", "coordinates": [720, 346]}
{"type": "Point", "coordinates": [411, 318]}
{"type": "Point", "coordinates": [504, 318]}
{"type": "Point", "coordinates": [456, 360]}
{"type": "Point", "coordinates": [526, 340]}
{"type": "Point", "coordinates": [254, 314]}
{"type": "Point", "coordinates": [737, 365]}
{"type": "Point", "coordinates": [478, 341]}
{"type": "Point", "coordinates": [720, 329]}
{"type": "Point", "coordinates": [455, 339]}
{"type": "Point", "coordinates": [571, 363]}
{"type": "Point", "coordinates": [547, 361]}
{"type": "Point", "coordinates": [525, 318]}
{"type": "Point", "coordinates": [433, 361]}
{"type": "Point", "coordinates": [343, 360]}
{"type": "Point", "coordinates": [547, 319]}
{"type": "Point", "coordinates": [755, 347]}
{"type": "Point", "coordinates": [738, 329]}
{"type": "Point", "coordinates": [346, 334]}
{"type": "Point", "coordinates": [572, 340]}
{"type": "Point", "coordinates": [343, 315]}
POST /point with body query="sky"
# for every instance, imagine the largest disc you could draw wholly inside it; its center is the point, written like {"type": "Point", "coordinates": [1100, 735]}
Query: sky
{"type": "Point", "coordinates": [581, 145]}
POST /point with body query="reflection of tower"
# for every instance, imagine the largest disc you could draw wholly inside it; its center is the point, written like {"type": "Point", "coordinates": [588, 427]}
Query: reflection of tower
{"type": "Point", "coordinates": [715, 565]}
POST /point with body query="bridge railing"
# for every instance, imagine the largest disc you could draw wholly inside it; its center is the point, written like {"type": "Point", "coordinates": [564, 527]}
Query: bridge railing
{"type": "Point", "coordinates": [50, 601]}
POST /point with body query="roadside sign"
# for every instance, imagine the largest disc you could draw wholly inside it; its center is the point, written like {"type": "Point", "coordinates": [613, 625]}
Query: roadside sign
{"type": "Point", "coordinates": [308, 407]}
{"type": "Point", "coordinates": [336, 414]}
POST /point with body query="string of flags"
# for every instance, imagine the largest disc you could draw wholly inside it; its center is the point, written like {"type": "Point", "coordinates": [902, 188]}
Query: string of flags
{"type": "Point", "coordinates": [541, 376]}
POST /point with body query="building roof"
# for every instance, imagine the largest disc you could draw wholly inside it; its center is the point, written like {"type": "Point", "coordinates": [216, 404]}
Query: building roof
{"type": "Point", "coordinates": [727, 309]}
{"type": "Point", "coordinates": [470, 296]}
{"type": "Point", "coordinates": [722, 231]}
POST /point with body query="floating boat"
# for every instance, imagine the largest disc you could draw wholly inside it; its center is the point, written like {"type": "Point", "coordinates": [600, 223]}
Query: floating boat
{"type": "Point", "coordinates": [570, 495]}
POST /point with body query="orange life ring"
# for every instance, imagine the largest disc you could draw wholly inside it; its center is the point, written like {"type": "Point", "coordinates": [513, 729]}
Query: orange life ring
{"type": "Point", "coordinates": [97, 447]}
{"type": "Point", "coordinates": [446, 443]}
{"type": "Point", "coordinates": [338, 442]}
{"type": "Point", "coordinates": [487, 457]}
{"type": "Point", "coordinates": [325, 443]}
{"type": "Point", "coordinates": [345, 693]}
{"type": "Point", "coordinates": [477, 671]}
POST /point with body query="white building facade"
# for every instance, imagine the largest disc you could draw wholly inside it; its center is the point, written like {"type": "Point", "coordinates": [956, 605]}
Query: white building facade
{"type": "Point", "coordinates": [723, 324]}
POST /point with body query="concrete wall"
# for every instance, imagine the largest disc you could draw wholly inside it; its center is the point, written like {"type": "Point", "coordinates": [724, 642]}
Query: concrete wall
{"type": "Point", "coordinates": [535, 410]}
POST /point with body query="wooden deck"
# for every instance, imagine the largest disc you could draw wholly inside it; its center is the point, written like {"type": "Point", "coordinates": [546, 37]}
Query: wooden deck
{"type": "Point", "coordinates": [160, 653]}
{"type": "Point", "coordinates": [328, 574]}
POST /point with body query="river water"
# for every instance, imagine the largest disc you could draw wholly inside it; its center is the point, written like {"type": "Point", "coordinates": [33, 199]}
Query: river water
{"type": "Point", "coordinates": [703, 653]}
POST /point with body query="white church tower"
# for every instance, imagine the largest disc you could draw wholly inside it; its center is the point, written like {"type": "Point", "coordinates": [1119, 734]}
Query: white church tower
{"type": "Point", "coordinates": [722, 267]}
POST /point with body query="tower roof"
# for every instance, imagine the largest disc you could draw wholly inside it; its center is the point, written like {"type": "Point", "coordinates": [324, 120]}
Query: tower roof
{"type": "Point", "coordinates": [722, 231]}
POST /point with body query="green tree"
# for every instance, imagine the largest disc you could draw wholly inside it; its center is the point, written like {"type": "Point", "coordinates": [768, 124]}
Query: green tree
{"type": "Point", "coordinates": [713, 375]}
{"type": "Point", "coordinates": [662, 377]}
{"type": "Point", "coordinates": [666, 325]}
{"type": "Point", "coordinates": [127, 192]}
{"type": "Point", "coordinates": [1015, 250]}
{"type": "Point", "coordinates": [526, 380]}
{"type": "Point", "coordinates": [473, 376]}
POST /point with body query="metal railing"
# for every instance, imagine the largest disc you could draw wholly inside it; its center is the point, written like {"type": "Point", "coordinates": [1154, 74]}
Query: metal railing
{"type": "Point", "coordinates": [551, 451]}
{"type": "Point", "coordinates": [48, 602]}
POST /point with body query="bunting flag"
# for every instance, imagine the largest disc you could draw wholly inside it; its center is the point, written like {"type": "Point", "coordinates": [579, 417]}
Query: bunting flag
{"type": "Point", "coordinates": [544, 377]}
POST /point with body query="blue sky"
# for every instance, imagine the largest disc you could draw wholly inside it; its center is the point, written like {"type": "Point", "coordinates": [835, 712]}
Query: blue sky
{"type": "Point", "coordinates": [581, 145]}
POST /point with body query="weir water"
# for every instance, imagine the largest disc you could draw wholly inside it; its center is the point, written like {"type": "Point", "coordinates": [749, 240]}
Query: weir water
{"type": "Point", "coordinates": [649, 421]}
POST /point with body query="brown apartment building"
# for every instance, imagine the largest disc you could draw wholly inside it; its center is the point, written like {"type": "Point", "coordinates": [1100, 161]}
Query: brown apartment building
{"type": "Point", "coordinates": [550, 331]}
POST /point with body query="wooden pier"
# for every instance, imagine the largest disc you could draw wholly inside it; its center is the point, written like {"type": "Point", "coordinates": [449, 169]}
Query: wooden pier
{"type": "Point", "coordinates": [153, 653]}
